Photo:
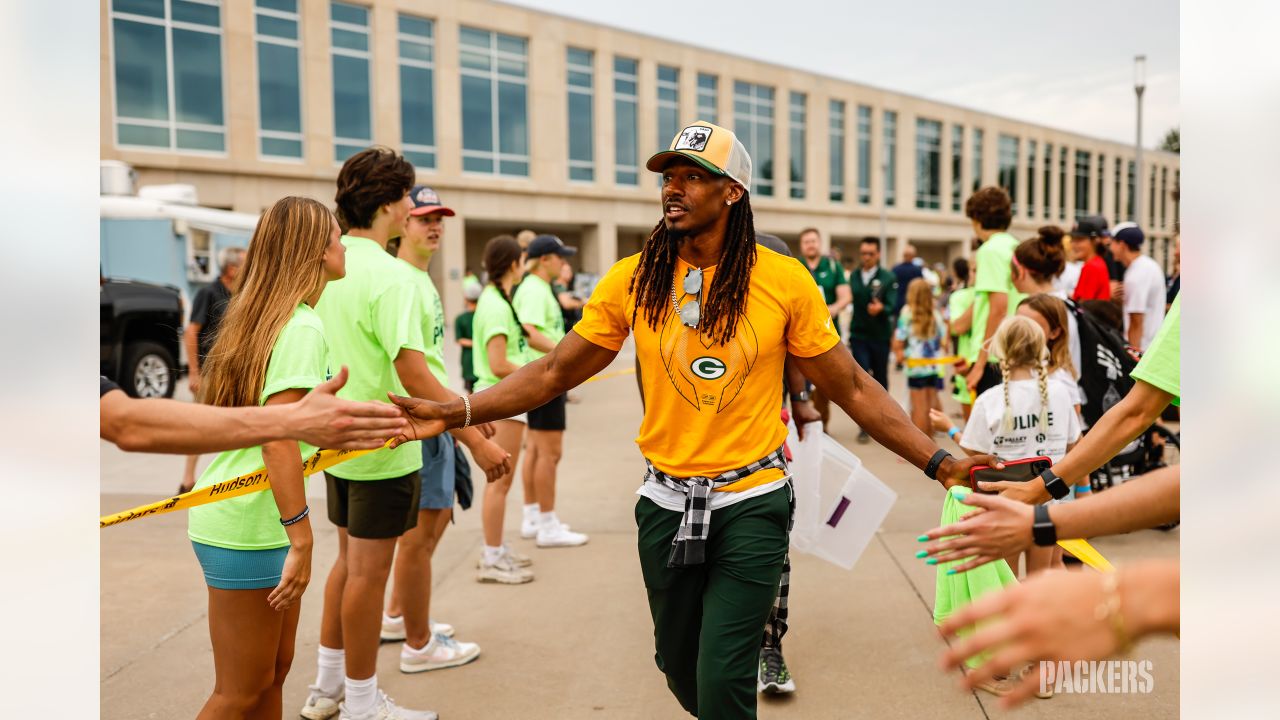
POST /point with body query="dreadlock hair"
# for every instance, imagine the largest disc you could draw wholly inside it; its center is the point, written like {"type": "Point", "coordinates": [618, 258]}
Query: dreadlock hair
{"type": "Point", "coordinates": [500, 253]}
{"type": "Point", "coordinates": [1019, 343]}
{"type": "Point", "coordinates": [725, 300]}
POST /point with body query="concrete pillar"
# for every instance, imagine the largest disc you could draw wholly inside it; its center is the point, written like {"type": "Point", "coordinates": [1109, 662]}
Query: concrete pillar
{"type": "Point", "coordinates": [448, 267]}
{"type": "Point", "coordinates": [599, 247]}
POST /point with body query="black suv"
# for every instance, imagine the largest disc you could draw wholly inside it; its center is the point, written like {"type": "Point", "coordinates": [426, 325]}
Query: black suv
{"type": "Point", "coordinates": [141, 326]}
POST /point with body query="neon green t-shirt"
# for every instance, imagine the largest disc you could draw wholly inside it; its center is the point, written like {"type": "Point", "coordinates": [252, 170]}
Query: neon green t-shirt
{"type": "Point", "coordinates": [995, 274]}
{"type": "Point", "coordinates": [432, 324]}
{"type": "Point", "coordinates": [1161, 364]}
{"type": "Point", "coordinates": [495, 317]}
{"type": "Point", "coordinates": [369, 316]}
{"type": "Point", "coordinates": [960, 301]}
{"type": "Point", "coordinates": [535, 302]}
{"type": "Point", "coordinates": [299, 359]}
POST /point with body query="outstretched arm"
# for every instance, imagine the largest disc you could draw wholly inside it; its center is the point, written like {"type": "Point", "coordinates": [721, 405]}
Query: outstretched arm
{"type": "Point", "coordinates": [565, 367]}
{"type": "Point", "coordinates": [838, 377]}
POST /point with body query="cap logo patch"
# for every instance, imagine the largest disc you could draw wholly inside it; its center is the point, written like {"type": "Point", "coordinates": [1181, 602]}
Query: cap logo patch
{"type": "Point", "coordinates": [694, 138]}
{"type": "Point", "coordinates": [427, 196]}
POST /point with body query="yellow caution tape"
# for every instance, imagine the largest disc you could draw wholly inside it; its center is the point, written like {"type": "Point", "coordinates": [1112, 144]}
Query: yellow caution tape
{"type": "Point", "coordinates": [252, 482]}
{"type": "Point", "coordinates": [1087, 554]}
{"type": "Point", "coordinates": [921, 362]}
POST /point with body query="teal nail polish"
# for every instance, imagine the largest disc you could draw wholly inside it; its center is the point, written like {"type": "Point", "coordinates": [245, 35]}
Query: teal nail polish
{"type": "Point", "coordinates": [931, 561]}
{"type": "Point", "coordinates": [922, 538]}
{"type": "Point", "coordinates": [952, 571]}
{"type": "Point", "coordinates": [922, 553]}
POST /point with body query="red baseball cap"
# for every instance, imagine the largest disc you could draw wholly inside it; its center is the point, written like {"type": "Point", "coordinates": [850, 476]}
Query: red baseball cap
{"type": "Point", "coordinates": [427, 201]}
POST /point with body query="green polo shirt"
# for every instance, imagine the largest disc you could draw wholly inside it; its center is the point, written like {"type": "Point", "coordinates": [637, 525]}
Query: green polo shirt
{"type": "Point", "coordinates": [829, 276]}
{"type": "Point", "coordinates": [369, 317]}
{"type": "Point", "coordinates": [432, 323]}
{"type": "Point", "coordinates": [995, 274]}
{"type": "Point", "coordinates": [299, 360]}
{"type": "Point", "coordinates": [494, 317]}
{"type": "Point", "coordinates": [535, 302]}
{"type": "Point", "coordinates": [960, 301]}
{"type": "Point", "coordinates": [1161, 364]}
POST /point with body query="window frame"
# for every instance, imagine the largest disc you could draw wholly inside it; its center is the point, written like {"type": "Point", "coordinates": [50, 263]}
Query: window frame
{"type": "Point", "coordinates": [430, 67]}
{"type": "Point", "coordinates": [495, 77]}
{"type": "Point", "coordinates": [570, 89]}
{"type": "Point", "coordinates": [301, 136]}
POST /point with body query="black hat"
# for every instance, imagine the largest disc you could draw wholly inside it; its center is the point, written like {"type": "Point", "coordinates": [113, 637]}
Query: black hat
{"type": "Point", "coordinates": [547, 245]}
{"type": "Point", "coordinates": [1129, 234]}
{"type": "Point", "coordinates": [1090, 226]}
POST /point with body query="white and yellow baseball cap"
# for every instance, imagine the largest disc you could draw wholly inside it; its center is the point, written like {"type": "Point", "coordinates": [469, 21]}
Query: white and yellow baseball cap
{"type": "Point", "coordinates": [711, 146]}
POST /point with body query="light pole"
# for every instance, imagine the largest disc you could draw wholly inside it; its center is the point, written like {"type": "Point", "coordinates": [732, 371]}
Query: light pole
{"type": "Point", "coordinates": [1139, 84]}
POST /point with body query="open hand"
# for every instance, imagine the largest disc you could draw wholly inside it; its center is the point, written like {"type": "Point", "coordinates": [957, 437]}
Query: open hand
{"type": "Point", "coordinates": [293, 579]}
{"type": "Point", "coordinates": [325, 420]}
{"type": "Point", "coordinates": [998, 528]}
{"type": "Point", "coordinates": [1031, 492]}
{"type": "Point", "coordinates": [424, 419]}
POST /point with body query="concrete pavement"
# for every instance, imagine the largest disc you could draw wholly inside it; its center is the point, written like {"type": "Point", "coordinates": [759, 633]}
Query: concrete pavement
{"type": "Point", "coordinates": [577, 642]}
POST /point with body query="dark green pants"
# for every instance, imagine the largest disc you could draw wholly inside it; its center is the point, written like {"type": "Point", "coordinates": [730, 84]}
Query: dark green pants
{"type": "Point", "coordinates": [708, 619]}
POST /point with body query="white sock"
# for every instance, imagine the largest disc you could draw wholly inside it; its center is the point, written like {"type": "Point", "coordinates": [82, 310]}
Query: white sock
{"type": "Point", "coordinates": [492, 554]}
{"type": "Point", "coordinates": [361, 695]}
{"type": "Point", "coordinates": [332, 664]}
{"type": "Point", "coordinates": [548, 519]}
{"type": "Point", "coordinates": [531, 510]}
{"type": "Point", "coordinates": [396, 619]}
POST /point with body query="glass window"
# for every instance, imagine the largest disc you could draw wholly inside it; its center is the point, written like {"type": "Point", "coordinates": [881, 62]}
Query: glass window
{"type": "Point", "coordinates": [1031, 178]}
{"type": "Point", "coordinates": [796, 131]}
{"type": "Point", "coordinates": [1119, 171]}
{"type": "Point", "coordinates": [957, 167]}
{"type": "Point", "coordinates": [168, 75]}
{"type": "Point", "coordinates": [1084, 161]}
{"type": "Point", "coordinates": [495, 103]}
{"type": "Point", "coordinates": [1151, 201]}
{"type": "Point", "coordinates": [416, 40]}
{"type": "Point", "coordinates": [668, 106]}
{"type": "Point", "coordinates": [864, 154]}
{"type": "Point", "coordinates": [1132, 178]}
{"type": "Point", "coordinates": [708, 100]}
{"type": "Point", "coordinates": [1062, 184]}
{"type": "Point", "coordinates": [928, 164]}
{"type": "Point", "coordinates": [352, 106]}
{"type": "Point", "coordinates": [626, 123]}
{"type": "Point", "coordinates": [580, 65]}
{"type": "Point", "coordinates": [279, 78]}
{"type": "Point", "coordinates": [1048, 177]}
{"type": "Point", "coordinates": [890, 158]}
{"type": "Point", "coordinates": [977, 159]}
{"type": "Point", "coordinates": [835, 154]}
{"type": "Point", "coordinates": [1007, 174]}
{"type": "Point", "coordinates": [753, 124]}
{"type": "Point", "coordinates": [1164, 195]}
{"type": "Point", "coordinates": [1102, 172]}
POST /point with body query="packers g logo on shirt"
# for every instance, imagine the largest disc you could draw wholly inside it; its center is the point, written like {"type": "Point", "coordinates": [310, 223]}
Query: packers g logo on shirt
{"type": "Point", "coordinates": [707, 368]}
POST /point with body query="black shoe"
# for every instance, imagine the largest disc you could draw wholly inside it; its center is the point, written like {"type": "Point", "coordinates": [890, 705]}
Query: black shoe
{"type": "Point", "coordinates": [863, 438]}
{"type": "Point", "coordinates": [773, 677]}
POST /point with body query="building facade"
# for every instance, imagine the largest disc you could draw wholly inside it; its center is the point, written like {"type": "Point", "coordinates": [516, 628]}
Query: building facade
{"type": "Point", "coordinates": [524, 119]}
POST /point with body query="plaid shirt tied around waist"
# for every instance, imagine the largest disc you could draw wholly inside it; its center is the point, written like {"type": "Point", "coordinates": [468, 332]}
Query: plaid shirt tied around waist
{"type": "Point", "coordinates": [689, 547]}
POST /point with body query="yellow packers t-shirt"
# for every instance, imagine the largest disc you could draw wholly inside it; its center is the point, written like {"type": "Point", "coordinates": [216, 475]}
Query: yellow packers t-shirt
{"type": "Point", "coordinates": [713, 408]}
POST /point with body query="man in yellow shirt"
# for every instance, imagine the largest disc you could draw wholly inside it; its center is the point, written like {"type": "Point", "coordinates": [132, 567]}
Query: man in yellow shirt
{"type": "Point", "coordinates": [714, 318]}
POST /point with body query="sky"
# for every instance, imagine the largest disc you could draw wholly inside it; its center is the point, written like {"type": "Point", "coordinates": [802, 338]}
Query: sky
{"type": "Point", "coordinates": [1063, 64]}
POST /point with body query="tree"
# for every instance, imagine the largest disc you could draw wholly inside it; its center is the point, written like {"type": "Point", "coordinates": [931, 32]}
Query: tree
{"type": "Point", "coordinates": [1171, 141]}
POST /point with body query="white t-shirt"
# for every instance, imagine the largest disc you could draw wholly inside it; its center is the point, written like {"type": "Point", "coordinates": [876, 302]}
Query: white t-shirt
{"type": "Point", "coordinates": [985, 431]}
{"type": "Point", "coordinates": [1064, 378]}
{"type": "Point", "coordinates": [1144, 292]}
{"type": "Point", "coordinates": [1070, 277]}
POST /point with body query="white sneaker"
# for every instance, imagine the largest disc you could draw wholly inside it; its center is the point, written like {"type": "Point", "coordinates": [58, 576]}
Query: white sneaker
{"type": "Point", "coordinates": [320, 706]}
{"type": "Point", "coordinates": [529, 527]}
{"type": "Point", "coordinates": [440, 653]}
{"type": "Point", "coordinates": [520, 560]}
{"type": "Point", "coordinates": [559, 535]}
{"type": "Point", "coordinates": [384, 709]}
{"type": "Point", "coordinates": [393, 628]}
{"type": "Point", "coordinates": [504, 571]}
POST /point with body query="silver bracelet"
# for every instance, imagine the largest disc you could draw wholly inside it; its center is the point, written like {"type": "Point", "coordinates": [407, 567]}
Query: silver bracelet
{"type": "Point", "coordinates": [467, 402]}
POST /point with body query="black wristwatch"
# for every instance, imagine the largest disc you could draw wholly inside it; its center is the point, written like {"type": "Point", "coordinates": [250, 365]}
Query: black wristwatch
{"type": "Point", "coordinates": [802, 396]}
{"type": "Point", "coordinates": [1057, 487]}
{"type": "Point", "coordinates": [1043, 531]}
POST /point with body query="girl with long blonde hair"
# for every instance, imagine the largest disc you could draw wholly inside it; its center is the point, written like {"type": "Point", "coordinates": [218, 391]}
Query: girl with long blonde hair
{"type": "Point", "coordinates": [921, 335]}
{"type": "Point", "coordinates": [1024, 416]}
{"type": "Point", "coordinates": [255, 549]}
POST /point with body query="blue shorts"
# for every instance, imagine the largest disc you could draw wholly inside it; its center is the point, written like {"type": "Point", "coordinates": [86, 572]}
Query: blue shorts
{"type": "Point", "coordinates": [438, 473]}
{"type": "Point", "coordinates": [240, 569]}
